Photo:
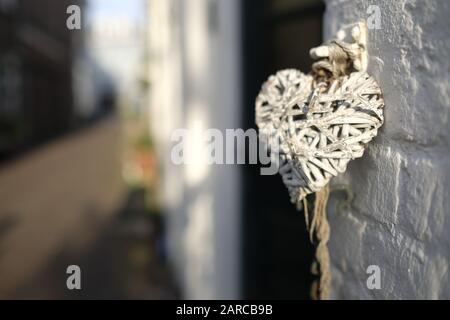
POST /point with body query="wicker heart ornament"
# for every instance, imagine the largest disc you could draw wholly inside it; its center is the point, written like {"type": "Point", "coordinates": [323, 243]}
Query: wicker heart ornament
{"type": "Point", "coordinates": [317, 127]}
{"type": "Point", "coordinates": [315, 123]}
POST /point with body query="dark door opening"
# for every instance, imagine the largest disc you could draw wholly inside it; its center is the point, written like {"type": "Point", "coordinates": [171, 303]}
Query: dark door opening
{"type": "Point", "coordinates": [277, 254]}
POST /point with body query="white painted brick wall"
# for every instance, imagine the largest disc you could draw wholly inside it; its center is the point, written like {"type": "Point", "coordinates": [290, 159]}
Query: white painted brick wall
{"type": "Point", "coordinates": [393, 207]}
{"type": "Point", "coordinates": [196, 69]}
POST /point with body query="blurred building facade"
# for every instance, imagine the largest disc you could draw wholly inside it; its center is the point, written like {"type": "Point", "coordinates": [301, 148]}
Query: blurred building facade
{"type": "Point", "coordinates": [115, 42]}
{"type": "Point", "coordinates": [195, 78]}
{"type": "Point", "coordinates": [53, 199]}
{"type": "Point", "coordinates": [36, 99]}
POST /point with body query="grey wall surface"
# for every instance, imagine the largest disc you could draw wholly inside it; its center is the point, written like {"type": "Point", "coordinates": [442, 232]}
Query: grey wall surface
{"type": "Point", "coordinates": [391, 208]}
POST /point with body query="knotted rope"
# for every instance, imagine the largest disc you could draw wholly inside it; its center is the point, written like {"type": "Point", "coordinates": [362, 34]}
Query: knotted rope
{"type": "Point", "coordinates": [339, 62]}
{"type": "Point", "coordinates": [320, 234]}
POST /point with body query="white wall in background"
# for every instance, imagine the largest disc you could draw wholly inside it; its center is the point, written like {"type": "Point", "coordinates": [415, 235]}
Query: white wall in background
{"type": "Point", "coordinates": [195, 84]}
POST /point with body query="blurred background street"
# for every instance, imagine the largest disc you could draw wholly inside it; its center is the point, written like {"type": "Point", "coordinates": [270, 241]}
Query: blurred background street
{"type": "Point", "coordinates": [86, 122]}
{"type": "Point", "coordinates": [66, 203]}
{"type": "Point", "coordinates": [77, 167]}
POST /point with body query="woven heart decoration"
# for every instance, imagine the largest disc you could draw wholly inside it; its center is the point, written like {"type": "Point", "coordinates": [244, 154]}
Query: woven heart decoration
{"type": "Point", "coordinates": [316, 124]}
{"type": "Point", "coordinates": [317, 127]}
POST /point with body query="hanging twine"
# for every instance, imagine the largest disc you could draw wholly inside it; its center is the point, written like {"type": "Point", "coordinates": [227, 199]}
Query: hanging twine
{"type": "Point", "coordinates": [319, 233]}
{"type": "Point", "coordinates": [338, 63]}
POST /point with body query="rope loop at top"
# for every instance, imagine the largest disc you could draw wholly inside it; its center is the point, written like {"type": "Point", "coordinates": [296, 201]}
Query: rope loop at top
{"type": "Point", "coordinates": [340, 61]}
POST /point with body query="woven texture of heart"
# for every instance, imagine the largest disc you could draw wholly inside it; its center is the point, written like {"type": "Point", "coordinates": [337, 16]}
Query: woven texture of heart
{"type": "Point", "coordinates": [317, 128]}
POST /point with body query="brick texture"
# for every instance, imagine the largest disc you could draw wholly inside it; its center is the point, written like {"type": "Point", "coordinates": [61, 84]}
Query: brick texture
{"type": "Point", "coordinates": [391, 206]}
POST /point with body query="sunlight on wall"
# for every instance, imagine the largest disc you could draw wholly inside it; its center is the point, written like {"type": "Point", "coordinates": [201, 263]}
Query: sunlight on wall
{"type": "Point", "coordinates": [196, 168]}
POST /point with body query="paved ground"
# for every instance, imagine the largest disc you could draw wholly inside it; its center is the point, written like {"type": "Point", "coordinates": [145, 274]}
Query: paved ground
{"type": "Point", "coordinates": [65, 203]}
